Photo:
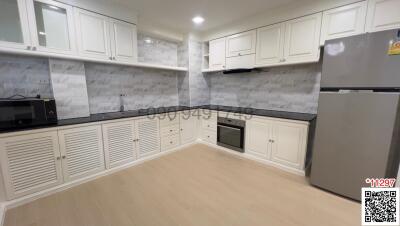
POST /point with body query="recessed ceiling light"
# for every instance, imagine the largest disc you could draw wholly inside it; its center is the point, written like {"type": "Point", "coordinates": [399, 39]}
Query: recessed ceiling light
{"type": "Point", "coordinates": [148, 41]}
{"type": "Point", "coordinates": [198, 20]}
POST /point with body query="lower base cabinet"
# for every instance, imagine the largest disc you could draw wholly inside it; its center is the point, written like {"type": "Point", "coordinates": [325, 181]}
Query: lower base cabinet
{"type": "Point", "coordinates": [189, 124]}
{"type": "Point", "coordinates": [148, 137]}
{"type": "Point", "coordinates": [81, 151]}
{"type": "Point", "coordinates": [281, 142]}
{"type": "Point", "coordinates": [30, 163]}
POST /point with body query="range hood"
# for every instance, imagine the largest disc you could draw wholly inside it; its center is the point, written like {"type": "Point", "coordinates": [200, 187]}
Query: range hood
{"type": "Point", "coordinates": [237, 70]}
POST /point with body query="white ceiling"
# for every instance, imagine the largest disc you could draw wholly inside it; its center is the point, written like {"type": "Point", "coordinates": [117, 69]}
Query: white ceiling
{"type": "Point", "coordinates": [177, 14]}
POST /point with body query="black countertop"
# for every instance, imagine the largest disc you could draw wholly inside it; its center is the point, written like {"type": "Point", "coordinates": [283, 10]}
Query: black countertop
{"type": "Point", "coordinates": [152, 111]}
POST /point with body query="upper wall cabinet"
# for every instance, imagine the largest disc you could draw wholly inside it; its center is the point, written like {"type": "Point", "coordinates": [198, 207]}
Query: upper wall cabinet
{"type": "Point", "coordinates": [14, 25]}
{"type": "Point", "coordinates": [217, 54]}
{"type": "Point", "coordinates": [123, 41]}
{"type": "Point", "coordinates": [93, 34]}
{"type": "Point", "coordinates": [383, 15]}
{"type": "Point", "coordinates": [343, 21]}
{"type": "Point", "coordinates": [270, 42]}
{"type": "Point", "coordinates": [52, 26]}
{"type": "Point", "coordinates": [302, 39]}
{"type": "Point", "coordinates": [241, 44]}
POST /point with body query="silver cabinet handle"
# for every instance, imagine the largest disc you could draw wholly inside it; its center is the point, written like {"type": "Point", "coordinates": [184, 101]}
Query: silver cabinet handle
{"type": "Point", "coordinates": [240, 54]}
{"type": "Point", "coordinates": [170, 130]}
{"type": "Point", "coordinates": [34, 48]}
{"type": "Point", "coordinates": [110, 58]}
{"type": "Point", "coordinates": [28, 47]}
{"type": "Point", "coordinates": [170, 142]}
{"type": "Point", "coordinates": [58, 158]}
{"type": "Point", "coordinates": [113, 58]}
{"type": "Point", "coordinates": [64, 157]}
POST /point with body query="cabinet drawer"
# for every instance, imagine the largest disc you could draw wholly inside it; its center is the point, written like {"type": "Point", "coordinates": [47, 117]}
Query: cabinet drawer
{"type": "Point", "coordinates": [170, 130]}
{"type": "Point", "coordinates": [169, 119]}
{"type": "Point", "coordinates": [169, 142]}
{"type": "Point", "coordinates": [210, 124]}
{"type": "Point", "coordinates": [209, 136]}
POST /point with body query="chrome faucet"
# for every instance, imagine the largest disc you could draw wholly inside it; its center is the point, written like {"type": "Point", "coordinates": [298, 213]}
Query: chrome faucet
{"type": "Point", "coordinates": [121, 102]}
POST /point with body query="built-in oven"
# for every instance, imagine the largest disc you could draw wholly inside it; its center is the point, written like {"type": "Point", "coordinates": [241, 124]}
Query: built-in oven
{"type": "Point", "coordinates": [24, 113]}
{"type": "Point", "coordinates": [230, 133]}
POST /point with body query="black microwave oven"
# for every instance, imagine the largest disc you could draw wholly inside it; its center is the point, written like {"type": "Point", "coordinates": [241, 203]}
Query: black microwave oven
{"type": "Point", "coordinates": [25, 113]}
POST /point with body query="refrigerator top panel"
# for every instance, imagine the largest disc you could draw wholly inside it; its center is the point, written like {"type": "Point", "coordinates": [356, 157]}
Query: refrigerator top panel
{"type": "Point", "coordinates": [361, 61]}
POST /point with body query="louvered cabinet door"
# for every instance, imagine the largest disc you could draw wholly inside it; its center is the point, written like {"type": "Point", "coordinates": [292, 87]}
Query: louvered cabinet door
{"type": "Point", "coordinates": [148, 137]}
{"type": "Point", "coordinates": [119, 143]}
{"type": "Point", "coordinates": [29, 163]}
{"type": "Point", "coordinates": [82, 151]}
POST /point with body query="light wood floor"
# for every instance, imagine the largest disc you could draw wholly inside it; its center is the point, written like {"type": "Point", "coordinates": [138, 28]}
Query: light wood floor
{"type": "Point", "coordinates": [197, 186]}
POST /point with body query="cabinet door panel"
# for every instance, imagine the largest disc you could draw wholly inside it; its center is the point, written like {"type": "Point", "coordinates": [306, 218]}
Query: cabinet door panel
{"type": "Point", "coordinates": [270, 42]}
{"type": "Point", "coordinates": [52, 26]}
{"type": "Point", "coordinates": [241, 44]}
{"type": "Point", "coordinates": [302, 39]}
{"type": "Point", "coordinates": [344, 21]}
{"type": "Point", "coordinates": [119, 143]}
{"type": "Point", "coordinates": [383, 15]}
{"type": "Point", "coordinates": [148, 135]}
{"type": "Point", "coordinates": [29, 163]}
{"type": "Point", "coordinates": [289, 144]}
{"type": "Point", "coordinates": [217, 54]}
{"type": "Point", "coordinates": [93, 34]}
{"type": "Point", "coordinates": [14, 24]}
{"type": "Point", "coordinates": [258, 135]}
{"type": "Point", "coordinates": [189, 127]}
{"type": "Point", "coordinates": [124, 43]}
{"type": "Point", "coordinates": [82, 151]}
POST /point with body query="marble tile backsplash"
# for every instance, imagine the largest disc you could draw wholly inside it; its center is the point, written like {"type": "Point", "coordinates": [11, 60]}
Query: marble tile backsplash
{"type": "Point", "coordinates": [157, 51]}
{"type": "Point", "coordinates": [290, 88]}
{"type": "Point", "coordinates": [143, 88]}
{"type": "Point", "coordinates": [199, 84]}
{"type": "Point", "coordinates": [69, 88]}
{"type": "Point", "coordinates": [27, 76]}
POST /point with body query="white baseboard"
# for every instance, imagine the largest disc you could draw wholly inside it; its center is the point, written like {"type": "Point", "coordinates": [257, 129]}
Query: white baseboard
{"type": "Point", "coordinates": [257, 159]}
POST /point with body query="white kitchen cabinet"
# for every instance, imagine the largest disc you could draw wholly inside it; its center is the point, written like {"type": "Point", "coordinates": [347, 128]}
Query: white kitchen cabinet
{"type": "Point", "coordinates": [123, 41]}
{"type": "Point", "coordinates": [82, 151]}
{"type": "Point", "coordinates": [147, 137]}
{"type": "Point", "coordinates": [383, 15]}
{"type": "Point", "coordinates": [119, 143]}
{"type": "Point", "coordinates": [30, 163]}
{"type": "Point", "coordinates": [270, 43]}
{"type": "Point", "coordinates": [170, 142]}
{"type": "Point", "coordinates": [208, 132]}
{"type": "Point", "coordinates": [258, 137]}
{"type": "Point", "coordinates": [14, 25]}
{"type": "Point", "coordinates": [217, 54]}
{"type": "Point", "coordinates": [289, 143]}
{"type": "Point", "coordinates": [241, 44]}
{"type": "Point", "coordinates": [302, 38]}
{"type": "Point", "coordinates": [188, 127]}
{"type": "Point", "coordinates": [343, 21]}
{"type": "Point", "coordinates": [93, 34]}
{"type": "Point", "coordinates": [52, 27]}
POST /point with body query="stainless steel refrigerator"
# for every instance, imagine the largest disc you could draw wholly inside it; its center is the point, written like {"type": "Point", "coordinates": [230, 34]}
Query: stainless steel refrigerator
{"type": "Point", "coordinates": [358, 125]}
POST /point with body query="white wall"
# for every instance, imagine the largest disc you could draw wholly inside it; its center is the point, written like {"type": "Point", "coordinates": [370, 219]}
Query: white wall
{"type": "Point", "coordinates": [294, 10]}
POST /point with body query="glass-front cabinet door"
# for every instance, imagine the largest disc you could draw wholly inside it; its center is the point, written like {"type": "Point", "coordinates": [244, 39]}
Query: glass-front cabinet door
{"type": "Point", "coordinates": [51, 26]}
{"type": "Point", "coordinates": [14, 29]}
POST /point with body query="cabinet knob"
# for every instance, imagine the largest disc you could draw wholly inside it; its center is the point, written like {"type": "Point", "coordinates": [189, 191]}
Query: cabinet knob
{"type": "Point", "coordinates": [34, 48]}
{"type": "Point", "coordinates": [28, 47]}
{"type": "Point", "coordinates": [240, 54]}
{"type": "Point", "coordinates": [181, 129]}
{"type": "Point", "coordinates": [113, 58]}
{"type": "Point", "coordinates": [58, 158]}
{"type": "Point", "coordinates": [170, 142]}
{"type": "Point", "coordinates": [170, 130]}
{"type": "Point", "coordinates": [64, 157]}
{"type": "Point", "coordinates": [110, 58]}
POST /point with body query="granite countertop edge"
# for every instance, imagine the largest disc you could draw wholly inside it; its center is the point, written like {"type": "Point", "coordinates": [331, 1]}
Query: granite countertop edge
{"type": "Point", "coordinates": [151, 111]}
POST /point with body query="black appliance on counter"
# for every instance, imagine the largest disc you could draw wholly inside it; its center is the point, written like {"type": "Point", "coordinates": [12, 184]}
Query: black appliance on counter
{"type": "Point", "coordinates": [27, 112]}
{"type": "Point", "coordinates": [230, 133]}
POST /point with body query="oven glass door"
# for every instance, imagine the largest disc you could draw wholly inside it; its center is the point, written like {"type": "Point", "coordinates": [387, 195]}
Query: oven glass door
{"type": "Point", "coordinates": [230, 136]}
{"type": "Point", "coordinates": [21, 113]}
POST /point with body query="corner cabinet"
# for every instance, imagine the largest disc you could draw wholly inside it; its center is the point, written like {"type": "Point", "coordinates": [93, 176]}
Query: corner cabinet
{"type": "Point", "coordinates": [281, 142]}
{"type": "Point", "coordinates": [30, 163]}
{"type": "Point", "coordinates": [343, 21]}
{"type": "Point", "coordinates": [383, 15]}
{"type": "Point", "coordinates": [81, 151]}
{"type": "Point", "coordinates": [302, 38]}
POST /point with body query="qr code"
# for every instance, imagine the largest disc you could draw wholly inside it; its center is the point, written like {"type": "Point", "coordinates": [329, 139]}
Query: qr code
{"type": "Point", "coordinates": [380, 206]}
